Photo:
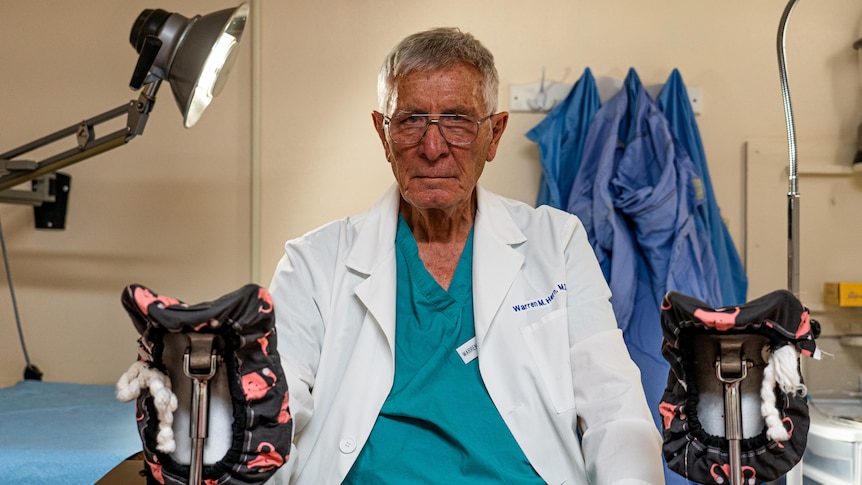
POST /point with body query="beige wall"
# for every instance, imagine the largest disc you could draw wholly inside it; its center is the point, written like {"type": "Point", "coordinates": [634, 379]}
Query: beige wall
{"type": "Point", "coordinates": [321, 159]}
{"type": "Point", "coordinates": [173, 209]}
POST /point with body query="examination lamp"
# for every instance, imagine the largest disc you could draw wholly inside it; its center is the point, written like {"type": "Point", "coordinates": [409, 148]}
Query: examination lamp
{"type": "Point", "coordinates": [194, 55]}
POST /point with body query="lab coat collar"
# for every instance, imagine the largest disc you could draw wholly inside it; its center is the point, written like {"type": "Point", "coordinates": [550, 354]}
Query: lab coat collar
{"type": "Point", "coordinates": [373, 255]}
{"type": "Point", "coordinates": [495, 261]}
{"type": "Point", "coordinates": [372, 247]}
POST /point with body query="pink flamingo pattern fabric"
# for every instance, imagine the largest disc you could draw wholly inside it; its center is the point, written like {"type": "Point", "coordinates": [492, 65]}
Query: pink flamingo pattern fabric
{"type": "Point", "coordinates": [244, 326]}
{"type": "Point", "coordinates": [688, 449]}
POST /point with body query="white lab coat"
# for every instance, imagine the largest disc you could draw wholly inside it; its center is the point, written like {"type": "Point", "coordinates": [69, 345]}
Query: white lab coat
{"type": "Point", "coordinates": [549, 350]}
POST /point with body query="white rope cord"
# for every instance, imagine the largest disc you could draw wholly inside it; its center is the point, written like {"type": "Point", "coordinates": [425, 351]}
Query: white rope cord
{"type": "Point", "coordinates": [139, 376]}
{"type": "Point", "coordinates": [782, 370]}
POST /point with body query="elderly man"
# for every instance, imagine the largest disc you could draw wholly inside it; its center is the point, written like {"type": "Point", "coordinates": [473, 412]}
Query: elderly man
{"type": "Point", "coordinates": [450, 335]}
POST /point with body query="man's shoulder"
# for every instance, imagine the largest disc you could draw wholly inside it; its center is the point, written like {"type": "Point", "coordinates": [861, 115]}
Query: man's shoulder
{"type": "Point", "coordinates": [527, 216]}
{"type": "Point", "coordinates": [334, 231]}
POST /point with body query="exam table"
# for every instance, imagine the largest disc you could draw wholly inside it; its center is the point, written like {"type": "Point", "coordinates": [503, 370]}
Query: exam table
{"type": "Point", "coordinates": [72, 434]}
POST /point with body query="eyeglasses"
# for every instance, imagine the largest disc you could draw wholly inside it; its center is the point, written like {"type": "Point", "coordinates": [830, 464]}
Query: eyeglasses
{"type": "Point", "coordinates": [409, 129]}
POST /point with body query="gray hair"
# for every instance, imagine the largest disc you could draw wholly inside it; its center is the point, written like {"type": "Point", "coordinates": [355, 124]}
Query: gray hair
{"type": "Point", "coordinates": [432, 50]}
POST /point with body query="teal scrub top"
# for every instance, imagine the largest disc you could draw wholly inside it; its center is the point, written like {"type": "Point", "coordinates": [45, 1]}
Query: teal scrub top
{"type": "Point", "coordinates": [438, 424]}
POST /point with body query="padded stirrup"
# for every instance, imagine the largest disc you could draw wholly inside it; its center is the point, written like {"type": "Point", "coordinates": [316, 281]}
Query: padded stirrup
{"type": "Point", "coordinates": [772, 331]}
{"type": "Point", "coordinates": [242, 327]}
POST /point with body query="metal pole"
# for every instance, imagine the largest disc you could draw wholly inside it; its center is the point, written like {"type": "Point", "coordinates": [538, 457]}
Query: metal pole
{"type": "Point", "coordinates": [793, 189]}
{"type": "Point", "coordinates": [794, 476]}
{"type": "Point", "coordinates": [733, 429]}
{"type": "Point", "coordinates": [199, 425]}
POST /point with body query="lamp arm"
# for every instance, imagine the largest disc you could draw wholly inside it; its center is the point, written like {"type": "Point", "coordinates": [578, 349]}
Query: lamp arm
{"type": "Point", "coordinates": [137, 112]}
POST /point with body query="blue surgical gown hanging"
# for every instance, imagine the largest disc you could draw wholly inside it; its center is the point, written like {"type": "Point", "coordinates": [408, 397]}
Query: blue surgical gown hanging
{"type": "Point", "coordinates": [560, 137]}
{"type": "Point", "coordinates": [673, 101]}
{"type": "Point", "coordinates": [635, 193]}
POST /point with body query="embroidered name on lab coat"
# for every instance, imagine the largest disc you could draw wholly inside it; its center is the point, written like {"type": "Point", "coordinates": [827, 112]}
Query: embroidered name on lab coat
{"type": "Point", "coordinates": [468, 350]}
{"type": "Point", "coordinates": [541, 301]}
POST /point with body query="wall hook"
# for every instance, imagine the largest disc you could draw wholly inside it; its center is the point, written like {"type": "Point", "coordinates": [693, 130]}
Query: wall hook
{"type": "Point", "coordinates": [538, 103]}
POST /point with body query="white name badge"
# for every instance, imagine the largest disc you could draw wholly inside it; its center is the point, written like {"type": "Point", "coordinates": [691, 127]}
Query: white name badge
{"type": "Point", "coordinates": [468, 350]}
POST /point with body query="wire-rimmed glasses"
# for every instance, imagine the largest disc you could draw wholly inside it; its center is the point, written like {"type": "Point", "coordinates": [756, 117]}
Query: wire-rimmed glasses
{"type": "Point", "coordinates": [410, 128]}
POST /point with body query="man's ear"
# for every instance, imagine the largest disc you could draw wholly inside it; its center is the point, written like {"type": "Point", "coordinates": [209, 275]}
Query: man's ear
{"type": "Point", "coordinates": [498, 126]}
{"type": "Point", "coordinates": [379, 125]}
{"type": "Point", "coordinates": [377, 118]}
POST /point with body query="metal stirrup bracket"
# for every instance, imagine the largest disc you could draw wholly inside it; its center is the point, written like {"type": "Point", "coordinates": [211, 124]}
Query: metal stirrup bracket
{"type": "Point", "coordinates": [731, 368]}
{"type": "Point", "coordinates": [199, 364]}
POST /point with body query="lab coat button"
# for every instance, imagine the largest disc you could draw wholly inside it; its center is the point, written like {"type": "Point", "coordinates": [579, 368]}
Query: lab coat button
{"type": "Point", "coordinates": [347, 445]}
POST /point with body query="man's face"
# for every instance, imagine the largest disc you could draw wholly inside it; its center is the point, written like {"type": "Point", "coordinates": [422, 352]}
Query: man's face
{"type": "Point", "coordinates": [434, 174]}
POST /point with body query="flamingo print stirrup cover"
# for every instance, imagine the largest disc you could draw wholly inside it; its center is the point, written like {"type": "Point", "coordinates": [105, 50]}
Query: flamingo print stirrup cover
{"type": "Point", "coordinates": [248, 396]}
{"type": "Point", "coordinates": [776, 329]}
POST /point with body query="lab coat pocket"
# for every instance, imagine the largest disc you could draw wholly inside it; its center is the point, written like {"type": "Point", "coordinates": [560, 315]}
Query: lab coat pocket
{"type": "Point", "coordinates": [548, 342]}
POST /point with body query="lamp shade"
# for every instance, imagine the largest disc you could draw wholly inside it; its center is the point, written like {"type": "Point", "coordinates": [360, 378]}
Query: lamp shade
{"type": "Point", "coordinates": [194, 55]}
